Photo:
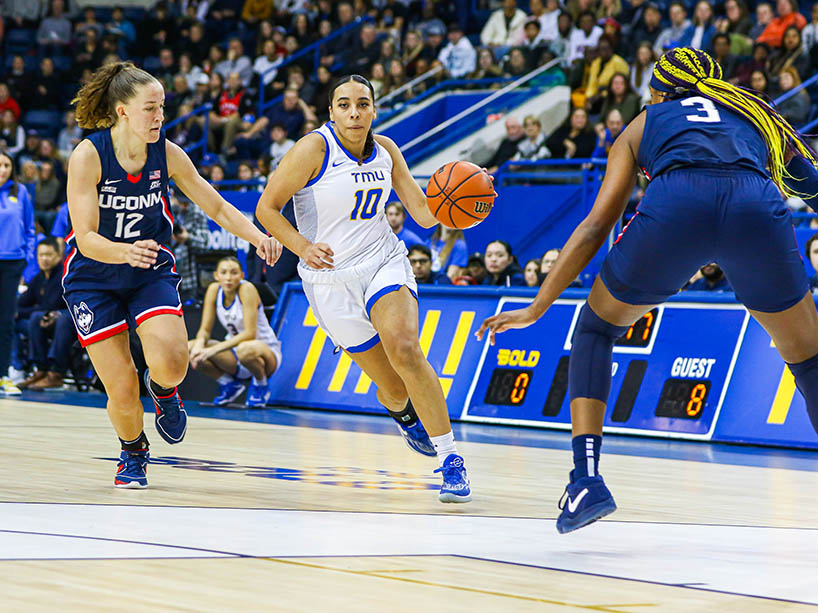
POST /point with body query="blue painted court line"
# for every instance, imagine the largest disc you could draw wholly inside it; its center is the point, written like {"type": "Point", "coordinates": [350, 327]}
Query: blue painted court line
{"type": "Point", "coordinates": [718, 453]}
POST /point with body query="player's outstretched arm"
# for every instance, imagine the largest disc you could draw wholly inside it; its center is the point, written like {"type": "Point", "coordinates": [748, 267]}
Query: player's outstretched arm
{"type": "Point", "coordinates": [188, 179]}
{"type": "Point", "coordinates": [84, 172]}
{"type": "Point", "coordinates": [298, 167]}
{"type": "Point", "coordinates": [405, 185]}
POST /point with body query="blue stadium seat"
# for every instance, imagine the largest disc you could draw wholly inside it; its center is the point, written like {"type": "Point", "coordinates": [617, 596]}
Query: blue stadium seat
{"type": "Point", "coordinates": [20, 40]}
{"type": "Point", "coordinates": [45, 122]}
{"type": "Point", "coordinates": [151, 63]}
{"type": "Point", "coordinates": [62, 63]}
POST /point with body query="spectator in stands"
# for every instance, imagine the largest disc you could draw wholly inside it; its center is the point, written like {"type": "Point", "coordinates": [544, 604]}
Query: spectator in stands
{"type": "Point", "coordinates": [47, 152]}
{"type": "Point", "coordinates": [487, 68]}
{"type": "Point", "coordinates": [700, 33]}
{"type": "Point", "coordinates": [397, 79]}
{"type": "Point", "coordinates": [365, 51]}
{"type": "Point", "coordinates": [197, 43]}
{"type": "Point", "coordinates": [396, 217]}
{"type": "Point", "coordinates": [228, 112]}
{"type": "Point", "coordinates": [7, 103]}
{"type": "Point", "coordinates": [790, 54]}
{"type": "Point", "coordinates": [475, 270]}
{"type": "Point", "coordinates": [725, 59]}
{"type": "Point", "coordinates": [608, 9]}
{"type": "Point", "coordinates": [607, 134]}
{"type": "Point", "coordinates": [458, 57]}
{"type": "Point", "coordinates": [809, 34]}
{"type": "Point", "coordinates": [508, 146]}
{"type": "Point", "coordinates": [12, 135]}
{"type": "Point", "coordinates": [167, 68]}
{"type": "Point", "coordinates": [319, 97]}
{"type": "Point", "coordinates": [89, 55]}
{"type": "Point", "coordinates": [29, 152]}
{"type": "Point", "coordinates": [641, 71]}
{"type": "Point", "coordinates": [430, 24]}
{"type": "Point", "coordinates": [560, 47]}
{"type": "Point", "coordinates": [449, 252]}
{"type": "Point", "coordinates": [48, 193]}
{"type": "Point", "coordinates": [48, 88]}
{"type": "Point", "coordinates": [20, 81]}
{"type": "Point", "coordinates": [54, 33]}
{"type": "Point", "coordinates": [159, 29]}
{"type": "Point", "coordinates": [189, 70]}
{"type": "Point", "coordinates": [379, 79]}
{"type": "Point", "coordinates": [190, 236]}
{"type": "Point", "coordinates": [420, 258]}
{"type": "Point", "coordinates": [794, 109]}
{"type": "Point", "coordinates": [574, 138]}
{"type": "Point", "coordinates": [23, 13]}
{"type": "Point", "coordinates": [531, 273]}
{"type": "Point", "coordinates": [758, 61]}
{"type": "Point", "coordinates": [254, 11]}
{"type": "Point", "coordinates": [710, 278]}
{"type": "Point", "coordinates": [412, 50]}
{"type": "Point", "coordinates": [648, 29]}
{"type": "Point", "coordinates": [236, 62]}
{"type": "Point", "coordinates": [28, 174]}
{"type": "Point", "coordinates": [532, 43]}
{"type": "Point", "coordinates": [504, 26]}
{"type": "Point", "coordinates": [587, 34]}
{"type": "Point", "coordinates": [603, 68]}
{"type": "Point", "coordinates": [737, 19]}
{"type": "Point", "coordinates": [51, 333]}
{"type": "Point", "coordinates": [788, 15]}
{"type": "Point", "coordinates": [501, 265]}
{"type": "Point", "coordinates": [547, 262]}
{"type": "Point", "coordinates": [89, 22]}
{"type": "Point", "coordinates": [532, 147]}
{"type": "Point", "coordinates": [266, 65]}
{"type": "Point", "coordinates": [69, 137]}
{"type": "Point", "coordinates": [670, 36]}
{"type": "Point", "coordinates": [547, 13]}
{"type": "Point", "coordinates": [388, 51]}
{"type": "Point", "coordinates": [811, 251]}
{"type": "Point", "coordinates": [281, 144]}
{"type": "Point", "coordinates": [123, 29]}
{"type": "Point", "coordinates": [619, 95]}
{"type": "Point", "coordinates": [516, 65]}
{"type": "Point", "coordinates": [764, 15]}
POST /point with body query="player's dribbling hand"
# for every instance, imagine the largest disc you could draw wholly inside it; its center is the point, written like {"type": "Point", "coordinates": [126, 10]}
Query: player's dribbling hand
{"type": "Point", "coordinates": [507, 320]}
{"type": "Point", "coordinates": [318, 256]}
{"type": "Point", "coordinates": [269, 250]}
{"type": "Point", "coordinates": [142, 254]}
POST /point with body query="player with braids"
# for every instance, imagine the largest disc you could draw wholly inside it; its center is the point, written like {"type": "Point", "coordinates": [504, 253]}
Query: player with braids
{"type": "Point", "coordinates": [718, 158]}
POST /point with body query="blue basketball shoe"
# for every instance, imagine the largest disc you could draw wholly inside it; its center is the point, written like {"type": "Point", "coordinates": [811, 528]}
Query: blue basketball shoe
{"type": "Point", "coordinates": [171, 417]}
{"type": "Point", "coordinates": [584, 501]}
{"type": "Point", "coordinates": [257, 396]}
{"type": "Point", "coordinates": [132, 470]}
{"type": "Point", "coordinates": [229, 391]}
{"type": "Point", "coordinates": [455, 481]}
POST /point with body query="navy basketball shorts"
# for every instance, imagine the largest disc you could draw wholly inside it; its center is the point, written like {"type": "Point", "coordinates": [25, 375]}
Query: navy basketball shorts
{"type": "Point", "coordinates": [691, 217]}
{"type": "Point", "coordinates": [101, 313]}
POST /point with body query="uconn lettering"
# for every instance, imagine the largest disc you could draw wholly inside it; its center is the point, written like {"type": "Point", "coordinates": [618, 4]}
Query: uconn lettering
{"type": "Point", "coordinates": [369, 176]}
{"type": "Point", "coordinates": [129, 203]}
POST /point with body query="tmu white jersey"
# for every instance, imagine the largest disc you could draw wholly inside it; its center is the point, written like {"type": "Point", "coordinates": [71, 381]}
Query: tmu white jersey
{"type": "Point", "coordinates": [343, 206]}
{"type": "Point", "coordinates": [232, 318]}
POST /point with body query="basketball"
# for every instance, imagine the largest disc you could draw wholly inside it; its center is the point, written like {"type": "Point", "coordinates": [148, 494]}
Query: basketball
{"type": "Point", "coordinates": [460, 195]}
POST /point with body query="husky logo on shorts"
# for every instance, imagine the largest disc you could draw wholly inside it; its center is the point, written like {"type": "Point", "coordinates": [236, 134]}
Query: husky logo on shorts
{"type": "Point", "coordinates": [84, 317]}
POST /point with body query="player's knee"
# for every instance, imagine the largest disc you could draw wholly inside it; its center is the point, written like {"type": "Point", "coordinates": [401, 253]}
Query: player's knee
{"type": "Point", "coordinates": [589, 369]}
{"type": "Point", "coordinates": [170, 367]}
{"type": "Point", "coordinates": [404, 352]}
{"type": "Point", "coordinates": [246, 351]}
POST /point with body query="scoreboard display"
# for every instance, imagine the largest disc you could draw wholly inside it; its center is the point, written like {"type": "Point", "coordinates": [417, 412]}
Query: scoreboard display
{"type": "Point", "coordinates": [665, 378]}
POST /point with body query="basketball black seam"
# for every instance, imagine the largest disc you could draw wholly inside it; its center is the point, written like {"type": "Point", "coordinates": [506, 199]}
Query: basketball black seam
{"type": "Point", "coordinates": [441, 192]}
{"type": "Point", "coordinates": [447, 197]}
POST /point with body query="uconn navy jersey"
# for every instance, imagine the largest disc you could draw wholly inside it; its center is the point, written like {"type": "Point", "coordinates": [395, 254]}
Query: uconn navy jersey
{"type": "Point", "coordinates": [696, 132]}
{"type": "Point", "coordinates": [131, 208]}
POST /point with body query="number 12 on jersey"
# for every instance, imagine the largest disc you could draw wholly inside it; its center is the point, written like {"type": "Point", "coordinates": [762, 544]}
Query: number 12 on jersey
{"type": "Point", "coordinates": [366, 203]}
{"type": "Point", "coordinates": [125, 223]}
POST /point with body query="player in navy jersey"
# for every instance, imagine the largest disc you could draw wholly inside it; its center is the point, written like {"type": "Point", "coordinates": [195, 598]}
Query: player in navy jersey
{"type": "Point", "coordinates": [718, 158]}
{"type": "Point", "coordinates": [119, 272]}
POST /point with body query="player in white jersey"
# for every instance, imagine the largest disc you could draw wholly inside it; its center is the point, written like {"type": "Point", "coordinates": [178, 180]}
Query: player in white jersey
{"type": "Point", "coordinates": [354, 269]}
{"type": "Point", "coordinates": [250, 348]}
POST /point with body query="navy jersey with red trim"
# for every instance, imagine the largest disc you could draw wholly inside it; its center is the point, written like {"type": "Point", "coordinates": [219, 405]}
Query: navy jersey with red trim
{"type": "Point", "coordinates": [131, 208]}
{"type": "Point", "coordinates": [696, 132]}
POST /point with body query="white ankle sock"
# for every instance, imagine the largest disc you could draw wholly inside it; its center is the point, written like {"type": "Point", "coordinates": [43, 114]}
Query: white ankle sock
{"type": "Point", "coordinates": [262, 381]}
{"type": "Point", "coordinates": [444, 446]}
{"type": "Point", "coordinates": [224, 379]}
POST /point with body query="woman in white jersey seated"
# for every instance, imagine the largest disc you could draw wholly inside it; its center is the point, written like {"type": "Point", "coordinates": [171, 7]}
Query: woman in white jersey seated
{"type": "Point", "coordinates": [250, 349]}
{"type": "Point", "coordinates": [354, 269]}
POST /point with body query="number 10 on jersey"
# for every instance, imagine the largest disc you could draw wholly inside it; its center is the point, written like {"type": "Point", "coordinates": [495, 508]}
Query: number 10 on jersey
{"type": "Point", "coordinates": [366, 203]}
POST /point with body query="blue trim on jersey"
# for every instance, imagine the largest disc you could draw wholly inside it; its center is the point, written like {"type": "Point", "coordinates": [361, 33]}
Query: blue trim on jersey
{"type": "Point", "coordinates": [349, 155]}
{"type": "Point", "coordinates": [364, 346]}
{"type": "Point", "coordinates": [320, 174]}
{"type": "Point", "coordinates": [381, 292]}
{"type": "Point", "coordinates": [220, 298]}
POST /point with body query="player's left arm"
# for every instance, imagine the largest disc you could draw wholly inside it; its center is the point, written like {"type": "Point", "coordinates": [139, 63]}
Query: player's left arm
{"type": "Point", "coordinates": [184, 173]}
{"type": "Point", "coordinates": [405, 185]}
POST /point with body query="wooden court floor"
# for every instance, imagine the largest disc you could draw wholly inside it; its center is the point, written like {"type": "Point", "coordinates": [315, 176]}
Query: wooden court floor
{"type": "Point", "coordinates": [249, 516]}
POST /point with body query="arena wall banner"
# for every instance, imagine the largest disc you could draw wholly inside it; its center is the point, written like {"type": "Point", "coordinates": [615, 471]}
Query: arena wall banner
{"type": "Point", "coordinates": [697, 367]}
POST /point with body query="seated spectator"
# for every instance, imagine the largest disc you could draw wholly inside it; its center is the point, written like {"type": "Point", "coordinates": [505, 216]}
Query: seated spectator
{"type": "Point", "coordinates": [574, 138]}
{"type": "Point", "coordinates": [508, 146]}
{"type": "Point", "coordinates": [725, 59]}
{"type": "Point", "coordinates": [196, 44]}
{"type": "Point", "coordinates": [531, 273]}
{"type": "Point", "coordinates": [671, 36]}
{"type": "Point", "coordinates": [449, 252]}
{"type": "Point", "coordinates": [758, 61]}
{"type": "Point", "coordinates": [790, 54]}
{"type": "Point", "coordinates": [7, 103]}
{"type": "Point", "coordinates": [280, 146]}
{"type": "Point", "coordinates": [365, 52]}
{"type": "Point", "coordinates": [12, 135]}
{"type": "Point", "coordinates": [602, 70]}
{"type": "Point", "coordinates": [607, 134]}
{"type": "Point", "coordinates": [48, 193]}
{"type": "Point", "coordinates": [532, 43]}
{"type": "Point", "coordinates": [811, 251]}
{"type": "Point", "coordinates": [420, 258]}
{"type": "Point", "coordinates": [48, 320]}
{"type": "Point", "coordinates": [189, 70]}
{"type": "Point", "coordinates": [516, 65]}
{"type": "Point", "coordinates": [794, 109]}
{"type": "Point", "coordinates": [190, 235]}
{"type": "Point", "coordinates": [501, 265]}
{"type": "Point", "coordinates": [379, 79]}
{"type": "Point", "coordinates": [61, 226]}
{"type": "Point", "coordinates": [89, 55]}
{"type": "Point", "coordinates": [413, 49]}
{"type": "Point", "coordinates": [54, 33]}
{"type": "Point", "coordinates": [228, 115]}
{"type": "Point", "coordinates": [710, 278]}
{"type": "Point", "coordinates": [237, 62]}
{"type": "Point", "coordinates": [396, 217]}
{"type": "Point", "coordinates": [788, 15]}
{"type": "Point", "coordinates": [503, 26]}
{"type": "Point", "coordinates": [47, 152]}
{"type": "Point", "coordinates": [388, 51]}
{"type": "Point", "coordinates": [547, 13]}
{"type": "Point", "coordinates": [608, 9]}
{"type": "Point", "coordinates": [810, 32]}
{"type": "Point", "coordinates": [547, 262]}
{"type": "Point", "coordinates": [215, 174]}
{"type": "Point", "coordinates": [620, 96]}
{"type": "Point", "coordinates": [20, 81]}
{"type": "Point", "coordinates": [764, 15]}
{"type": "Point", "coordinates": [291, 112]}
{"type": "Point", "coordinates": [89, 22]}
{"type": "Point", "coordinates": [587, 34]}
{"type": "Point", "coordinates": [266, 65]}
{"type": "Point", "coordinates": [397, 79]}
{"type": "Point", "coordinates": [48, 90]}
{"type": "Point", "coordinates": [254, 11]}
{"type": "Point", "coordinates": [641, 72]}
{"type": "Point", "coordinates": [737, 19]}
{"type": "Point", "coordinates": [476, 269]}
{"type": "Point", "coordinates": [487, 68]}
{"type": "Point", "coordinates": [122, 29]}
{"type": "Point", "coordinates": [648, 29]}
{"type": "Point", "coordinates": [458, 57]}
{"type": "Point", "coordinates": [560, 47]}
{"type": "Point", "coordinates": [700, 33]}
{"type": "Point", "coordinates": [532, 147]}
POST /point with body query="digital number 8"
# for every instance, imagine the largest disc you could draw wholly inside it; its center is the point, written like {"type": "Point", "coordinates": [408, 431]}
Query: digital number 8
{"type": "Point", "coordinates": [694, 405]}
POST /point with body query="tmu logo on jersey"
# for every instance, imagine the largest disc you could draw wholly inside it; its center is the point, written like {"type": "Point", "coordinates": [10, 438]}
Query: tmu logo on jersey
{"type": "Point", "coordinates": [129, 203]}
{"type": "Point", "coordinates": [368, 176]}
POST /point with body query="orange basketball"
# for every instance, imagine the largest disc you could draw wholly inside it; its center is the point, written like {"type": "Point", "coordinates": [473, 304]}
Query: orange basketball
{"type": "Point", "coordinates": [460, 195]}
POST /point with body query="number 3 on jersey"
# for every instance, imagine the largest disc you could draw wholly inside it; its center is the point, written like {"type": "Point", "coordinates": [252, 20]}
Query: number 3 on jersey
{"type": "Point", "coordinates": [125, 223]}
{"type": "Point", "coordinates": [702, 105]}
{"type": "Point", "coordinates": [369, 201]}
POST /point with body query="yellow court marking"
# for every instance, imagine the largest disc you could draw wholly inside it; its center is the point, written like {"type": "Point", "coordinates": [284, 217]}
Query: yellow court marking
{"type": "Point", "coordinates": [461, 335]}
{"type": "Point", "coordinates": [783, 398]}
{"type": "Point", "coordinates": [427, 332]}
{"type": "Point", "coordinates": [446, 384]}
{"type": "Point", "coordinates": [362, 387]}
{"type": "Point", "coordinates": [309, 319]}
{"type": "Point", "coordinates": [341, 372]}
{"type": "Point", "coordinates": [369, 573]}
{"type": "Point", "coordinates": [311, 359]}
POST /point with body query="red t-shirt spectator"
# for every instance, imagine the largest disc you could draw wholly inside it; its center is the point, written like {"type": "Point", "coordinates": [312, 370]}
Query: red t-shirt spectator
{"type": "Point", "coordinates": [8, 103]}
{"type": "Point", "coordinates": [774, 32]}
{"type": "Point", "coordinates": [235, 103]}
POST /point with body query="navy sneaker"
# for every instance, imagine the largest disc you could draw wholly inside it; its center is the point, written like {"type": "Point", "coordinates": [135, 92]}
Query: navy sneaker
{"type": "Point", "coordinates": [455, 481]}
{"type": "Point", "coordinates": [417, 438]}
{"type": "Point", "coordinates": [171, 417]}
{"type": "Point", "coordinates": [584, 501]}
{"type": "Point", "coordinates": [229, 391]}
{"type": "Point", "coordinates": [132, 470]}
{"type": "Point", "coordinates": [257, 396]}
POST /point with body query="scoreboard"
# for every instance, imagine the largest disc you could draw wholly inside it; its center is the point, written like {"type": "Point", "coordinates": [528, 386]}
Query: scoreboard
{"type": "Point", "coordinates": [697, 367]}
